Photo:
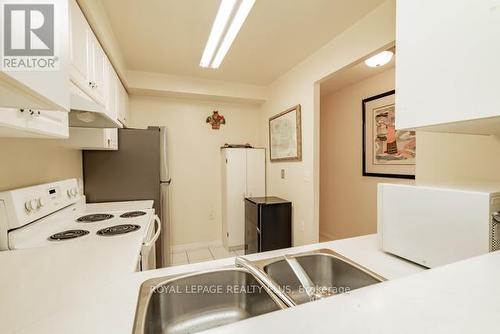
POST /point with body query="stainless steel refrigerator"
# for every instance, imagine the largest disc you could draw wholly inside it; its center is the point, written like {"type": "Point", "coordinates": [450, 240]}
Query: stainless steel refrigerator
{"type": "Point", "coordinates": [137, 171]}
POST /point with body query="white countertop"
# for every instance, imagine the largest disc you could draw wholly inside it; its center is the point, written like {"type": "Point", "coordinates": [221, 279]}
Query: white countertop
{"type": "Point", "coordinates": [37, 283]}
{"type": "Point", "coordinates": [105, 291]}
{"type": "Point", "coordinates": [458, 298]}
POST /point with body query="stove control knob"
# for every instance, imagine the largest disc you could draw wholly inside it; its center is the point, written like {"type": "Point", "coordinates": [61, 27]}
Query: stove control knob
{"type": "Point", "coordinates": [74, 192]}
{"type": "Point", "coordinates": [69, 193]}
{"type": "Point", "coordinates": [41, 202]}
{"type": "Point", "coordinates": [33, 205]}
{"type": "Point", "coordinates": [27, 206]}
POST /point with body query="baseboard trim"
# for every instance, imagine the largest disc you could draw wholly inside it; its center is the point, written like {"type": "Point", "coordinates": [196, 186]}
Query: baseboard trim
{"type": "Point", "coordinates": [195, 245]}
{"type": "Point", "coordinates": [236, 248]}
{"type": "Point", "coordinates": [326, 236]}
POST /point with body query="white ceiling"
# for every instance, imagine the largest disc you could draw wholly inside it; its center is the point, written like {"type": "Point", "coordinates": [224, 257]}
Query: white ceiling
{"type": "Point", "coordinates": [351, 75]}
{"type": "Point", "coordinates": [168, 36]}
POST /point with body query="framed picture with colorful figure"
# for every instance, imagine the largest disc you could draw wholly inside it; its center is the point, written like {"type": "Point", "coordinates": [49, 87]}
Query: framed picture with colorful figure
{"type": "Point", "coordinates": [387, 152]}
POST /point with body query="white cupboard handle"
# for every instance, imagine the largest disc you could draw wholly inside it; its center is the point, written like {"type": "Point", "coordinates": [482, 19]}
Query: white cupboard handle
{"type": "Point", "coordinates": [157, 234]}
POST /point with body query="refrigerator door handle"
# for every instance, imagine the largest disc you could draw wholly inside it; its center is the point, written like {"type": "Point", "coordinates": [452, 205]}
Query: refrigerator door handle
{"type": "Point", "coordinates": [163, 155]}
{"type": "Point", "coordinates": [157, 234]}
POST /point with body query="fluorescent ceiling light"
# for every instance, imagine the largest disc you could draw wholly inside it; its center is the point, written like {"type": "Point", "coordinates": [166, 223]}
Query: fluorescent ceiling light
{"type": "Point", "coordinates": [380, 59]}
{"type": "Point", "coordinates": [220, 23]}
{"type": "Point", "coordinates": [232, 32]}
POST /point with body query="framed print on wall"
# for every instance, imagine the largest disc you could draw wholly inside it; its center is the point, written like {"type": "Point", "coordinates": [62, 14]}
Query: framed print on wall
{"type": "Point", "coordinates": [285, 136]}
{"type": "Point", "coordinates": [387, 152]}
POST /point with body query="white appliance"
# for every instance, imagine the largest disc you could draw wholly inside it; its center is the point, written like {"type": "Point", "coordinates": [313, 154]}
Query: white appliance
{"type": "Point", "coordinates": [138, 170]}
{"type": "Point", "coordinates": [243, 175]}
{"type": "Point", "coordinates": [53, 214]}
{"type": "Point", "coordinates": [436, 226]}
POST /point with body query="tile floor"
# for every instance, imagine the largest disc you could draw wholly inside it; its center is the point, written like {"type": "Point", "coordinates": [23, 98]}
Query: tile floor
{"type": "Point", "coordinates": [202, 254]}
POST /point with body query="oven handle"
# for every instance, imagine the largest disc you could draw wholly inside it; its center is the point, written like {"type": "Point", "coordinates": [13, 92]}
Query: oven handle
{"type": "Point", "coordinates": [157, 234]}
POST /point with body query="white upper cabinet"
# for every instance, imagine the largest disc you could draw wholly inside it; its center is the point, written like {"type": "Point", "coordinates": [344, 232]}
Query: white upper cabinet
{"type": "Point", "coordinates": [79, 42]}
{"type": "Point", "coordinates": [39, 89]}
{"type": "Point", "coordinates": [97, 70]}
{"type": "Point", "coordinates": [91, 71]}
{"type": "Point", "coordinates": [87, 57]}
{"type": "Point", "coordinates": [33, 123]}
{"type": "Point", "coordinates": [92, 139]}
{"type": "Point", "coordinates": [112, 91]}
{"type": "Point", "coordinates": [123, 107]}
{"type": "Point", "coordinates": [447, 65]}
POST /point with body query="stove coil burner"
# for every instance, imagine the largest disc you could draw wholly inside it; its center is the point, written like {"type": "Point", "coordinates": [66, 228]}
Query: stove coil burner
{"type": "Point", "coordinates": [117, 230]}
{"type": "Point", "coordinates": [96, 217]}
{"type": "Point", "coordinates": [69, 234]}
{"type": "Point", "coordinates": [133, 214]}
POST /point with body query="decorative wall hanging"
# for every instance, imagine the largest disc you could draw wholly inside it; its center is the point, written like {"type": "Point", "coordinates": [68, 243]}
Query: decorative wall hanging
{"type": "Point", "coordinates": [386, 151]}
{"type": "Point", "coordinates": [285, 135]}
{"type": "Point", "coordinates": [216, 120]}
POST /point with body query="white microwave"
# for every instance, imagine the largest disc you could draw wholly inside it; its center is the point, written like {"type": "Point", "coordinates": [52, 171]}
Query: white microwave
{"type": "Point", "coordinates": [436, 226]}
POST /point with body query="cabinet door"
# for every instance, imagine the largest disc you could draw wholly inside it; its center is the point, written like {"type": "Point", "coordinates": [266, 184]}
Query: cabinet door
{"type": "Point", "coordinates": [99, 71]}
{"type": "Point", "coordinates": [43, 88]}
{"type": "Point", "coordinates": [112, 139]}
{"type": "Point", "coordinates": [225, 198]}
{"type": "Point", "coordinates": [275, 227]}
{"type": "Point", "coordinates": [12, 119]}
{"type": "Point", "coordinates": [111, 99]}
{"type": "Point", "coordinates": [256, 172]}
{"type": "Point", "coordinates": [33, 123]}
{"type": "Point", "coordinates": [80, 48]}
{"type": "Point", "coordinates": [88, 61]}
{"type": "Point", "coordinates": [447, 61]}
{"type": "Point", "coordinates": [236, 192]}
{"type": "Point", "coordinates": [96, 59]}
{"type": "Point", "coordinates": [123, 112]}
{"type": "Point", "coordinates": [92, 139]}
{"type": "Point", "coordinates": [49, 122]}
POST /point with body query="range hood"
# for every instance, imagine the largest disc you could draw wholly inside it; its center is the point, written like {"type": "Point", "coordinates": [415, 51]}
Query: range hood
{"type": "Point", "coordinates": [86, 113]}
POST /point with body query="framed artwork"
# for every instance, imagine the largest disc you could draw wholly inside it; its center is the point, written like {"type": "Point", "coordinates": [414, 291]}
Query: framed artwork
{"type": "Point", "coordinates": [285, 136]}
{"type": "Point", "coordinates": [387, 152]}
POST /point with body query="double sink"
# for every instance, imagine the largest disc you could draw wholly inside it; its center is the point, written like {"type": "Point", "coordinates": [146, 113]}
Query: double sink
{"type": "Point", "coordinates": [202, 300]}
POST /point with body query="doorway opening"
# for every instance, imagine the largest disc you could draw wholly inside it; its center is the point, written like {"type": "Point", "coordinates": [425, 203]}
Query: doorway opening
{"type": "Point", "coordinates": [348, 200]}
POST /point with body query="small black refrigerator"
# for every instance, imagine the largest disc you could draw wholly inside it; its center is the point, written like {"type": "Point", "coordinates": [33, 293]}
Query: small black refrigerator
{"type": "Point", "coordinates": [268, 224]}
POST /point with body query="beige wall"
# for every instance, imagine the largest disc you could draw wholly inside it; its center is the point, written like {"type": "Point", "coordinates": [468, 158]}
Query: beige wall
{"type": "Point", "coordinates": [195, 148]}
{"type": "Point", "coordinates": [26, 162]}
{"type": "Point", "coordinates": [457, 159]}
{"type": "Point", "coordinates": [194, 157]}
{"type": "Point", "coordinates": [301, 86]}
{"type": "Point", "coordinates": [348, 200]}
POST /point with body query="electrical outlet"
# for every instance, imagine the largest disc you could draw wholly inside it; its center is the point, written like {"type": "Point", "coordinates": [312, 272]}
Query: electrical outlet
{"type": "Point", "coordinates": [282, 173]}
{"type": "Point", "coordinates": [211, 215]}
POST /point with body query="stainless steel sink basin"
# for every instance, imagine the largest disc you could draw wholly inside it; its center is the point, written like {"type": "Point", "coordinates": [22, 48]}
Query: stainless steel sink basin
{"type": "Point", "coordinates": [195, 302]}
{"type": "Point", "coordinates": [326, 273]}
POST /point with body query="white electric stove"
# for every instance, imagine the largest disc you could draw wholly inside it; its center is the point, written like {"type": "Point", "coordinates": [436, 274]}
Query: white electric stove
{"type": "Point", "coordinates": [55, 213]}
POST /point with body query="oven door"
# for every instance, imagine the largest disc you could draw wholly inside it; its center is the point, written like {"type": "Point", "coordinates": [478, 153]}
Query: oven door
{"type": "Point", "coordinates": [148, 252]}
